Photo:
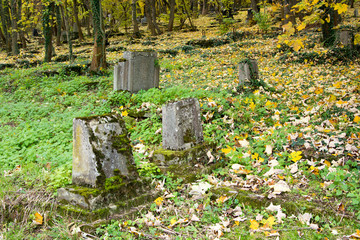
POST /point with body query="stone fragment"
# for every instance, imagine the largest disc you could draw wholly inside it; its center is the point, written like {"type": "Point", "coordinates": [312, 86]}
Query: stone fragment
{"type": "Point", "coordinates": [137, 71]}
{"type": "Point", "coordinates": [181, 122]}
{"type": "Point", "coordinates": [101, 149]}
{"type": "Point", "coordinates": [248, 70]}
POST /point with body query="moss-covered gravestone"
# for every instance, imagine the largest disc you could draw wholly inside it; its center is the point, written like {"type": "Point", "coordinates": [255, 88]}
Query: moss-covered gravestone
{"type": "Point", "coordinates": [248, 70]}
{"type": "Point", "coordinates": [183, 152]}
{"type": "Point", "coordinates": [137, 71]}
{"type": "Point", "coordinates": [105, 179]}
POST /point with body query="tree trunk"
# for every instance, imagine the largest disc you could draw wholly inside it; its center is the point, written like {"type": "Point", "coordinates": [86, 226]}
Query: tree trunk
{"type": "Point", "coordinates": [188, 15]}
{"type": "Point", "coordinates": [14, 28]}
{"type": "Point", "coordinates": [88, 19]}
{"type": "Point", "coordinates": [47, 31]}
{"type": "Point", "coordinates": [254, 6]}
{"type": "Point", "coordinates": [195, 6]}
{"type": "Point", "coordinates": [148, 15]}
{"type": "Point", "coordinates": [328, 28]}
{"type": "Point", "coordinates": [153, 13]}
{"type": "Point", "coordinates": [6, 34]}
{"type": "Point", "coordinates": [20, 27]}
{"type": "Point", "coordinates": [288, 15]}
{"type": "Point", "coordinates": [58, 25]}
{"type": "Point", "coordinates": [77, 22]}
{"type": "Point", "coordinates": [136, 32]}
{"type": "Point", "coordinates": [172, 15]}
{"type": "Point", "coordinates": [205, 7]}
{"type": "Point", "coordinates": [99, 58]}
{"type": "Point", "coordinates": [64, 14]}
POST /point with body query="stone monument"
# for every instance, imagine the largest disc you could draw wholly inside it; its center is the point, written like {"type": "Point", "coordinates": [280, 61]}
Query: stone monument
{"type": "Point", "coordinates": [104, 176]}
{"type": "Point", "coordinates": [248, 70]}
{"type": "Point", "coordinates": [181, 122]}
{"type": "Point", "coordinates": [137, 71]}
{"type": "Point", "coordinates": [184, 152]}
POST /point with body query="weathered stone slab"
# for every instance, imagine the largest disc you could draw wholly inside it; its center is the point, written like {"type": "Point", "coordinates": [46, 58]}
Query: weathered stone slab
{"type": "Point", "coordinates": [248, 70]}
{"type": "Point", "coordinates": [187, 164]}
{"type": "Point", "coordinates": [101, 150]}
{"type": "Point", "coordinates": [181, 122]}
{"type": "Point", "coordinates": [115, 198]}
{"type": "Point", "coordinates": [137, 71]}
{"type": "Point", "coordinates": [346, 38]}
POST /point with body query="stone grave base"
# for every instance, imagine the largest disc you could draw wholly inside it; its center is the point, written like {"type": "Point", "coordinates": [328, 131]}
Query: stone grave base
{"type": "Point", "coordinates": [187, 164]}
{"type": "Point", "coordinates": [115, 198]}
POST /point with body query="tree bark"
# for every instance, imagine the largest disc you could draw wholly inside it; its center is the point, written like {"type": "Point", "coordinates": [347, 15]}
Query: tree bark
{"type": "Point", "coordinates": [205, 7]}
{"type": "Point", "coordinates": [64, 14]}
{"type": "Point", "coordinates": [172, 15]}
{"type": "Point", "coordinates": [99, 58]}
{"type": "Point", "coordinates": [4, 24]}
{"type": "Point", "coordinates": [189, 17]}
{"type": "Point", "coordinates": [148, 15]}
{"type": "Point", "coordinates": [58, 25]}
{"type": "Point", "coordinates": [153, 13]}
{"type": "Point", "coordinates": [47, 31]}
{"type": "Point", "coordinates": [328, 28]}
{"type": "Point", "coordinates": [136, 32]}
{"type": "Point", "coordinates": [77, 22]}
{"type": "Point", "coordinates": [20, 27]}
{"type": "Point", "coordinates": [254, 6]}
{"type": "Point", "coordinates": [14, 28]}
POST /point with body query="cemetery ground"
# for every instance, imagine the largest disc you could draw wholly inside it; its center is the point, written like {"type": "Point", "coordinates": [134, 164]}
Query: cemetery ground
{"type": "Point", "coordinates": [287, 145]}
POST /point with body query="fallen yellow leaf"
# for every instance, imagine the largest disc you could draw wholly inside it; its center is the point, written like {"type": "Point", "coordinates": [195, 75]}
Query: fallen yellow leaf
{"type": "Point", "coordinates": [356, 119]}
{"type": "Point", "coordinates": [254, 225]}
{"type": "Point", "coordinates": [159, 201]}
{"type": "Point", "coordinates": [38, 219]}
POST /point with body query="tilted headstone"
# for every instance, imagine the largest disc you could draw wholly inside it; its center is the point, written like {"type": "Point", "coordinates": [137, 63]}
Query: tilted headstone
{"type": "Point", "coordinates": [100, 147]}
{"type": "Point", "coordinates": [248, 70]}
{"type": "Point", "coordinates": [181, 122]}
{"type": "Point", "coordinates": [137, 71]}
{"type": "Point", "coordinates": [346, 38]}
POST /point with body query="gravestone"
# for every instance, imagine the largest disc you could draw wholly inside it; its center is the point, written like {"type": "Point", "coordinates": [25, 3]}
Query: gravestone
{"type": "Point", "coordinates": [75, 32]}
{"type": "Point", "coordinates": [137, 71]}
{"type": "Point", "coordinates": [63, 37]}
{"type": "Point", "coordinates": [101, 145]}
{"type": "Point", "coordinates": [356, 13]}
{"type": "Point", "coordinates": [184, 152]}
{"type": "Point", "coordinates": [181, 122]}
{"type": "Point", "coordinates": [144, 21]}
{"type": "Point", "coordinates": [104, 176]}
{"type": "Point", "coordinates": [346, 38]}
{"type": "Point", "coordinates": [248, 70]}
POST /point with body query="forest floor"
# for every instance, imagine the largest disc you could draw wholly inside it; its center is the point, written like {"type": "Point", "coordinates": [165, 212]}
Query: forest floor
{"type": "Point", "coordinates": [288, 145]}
